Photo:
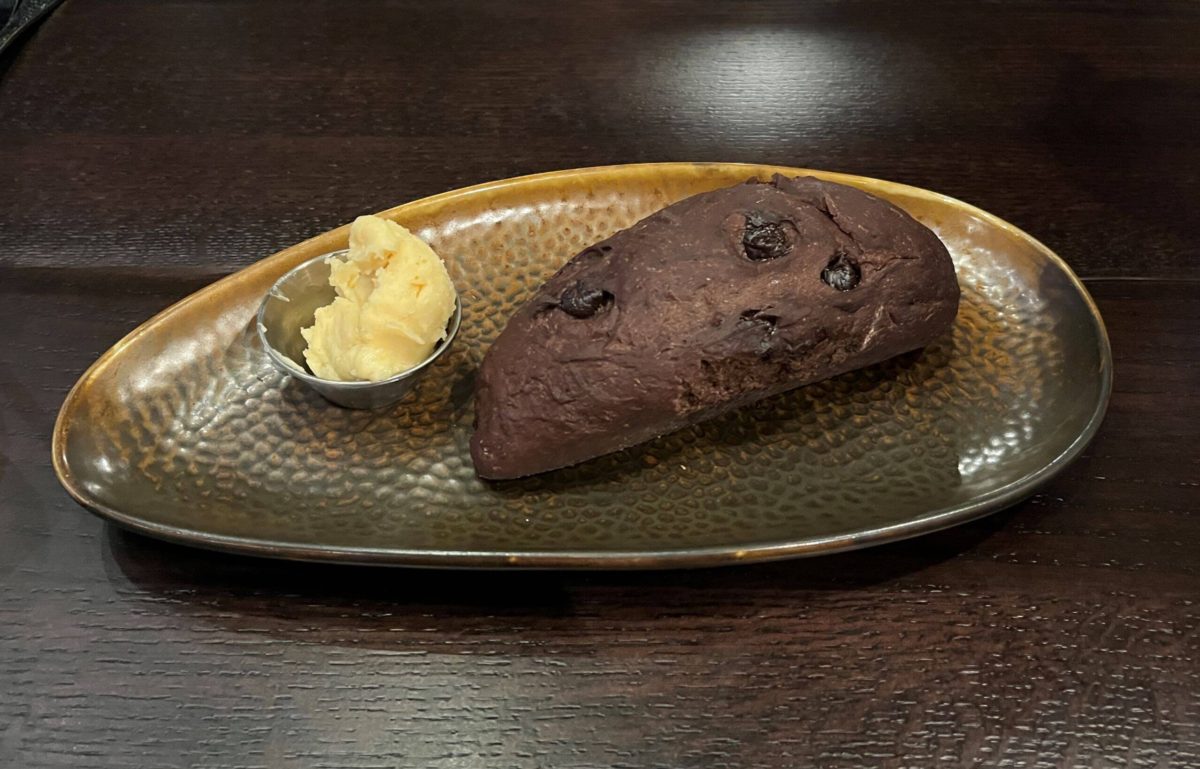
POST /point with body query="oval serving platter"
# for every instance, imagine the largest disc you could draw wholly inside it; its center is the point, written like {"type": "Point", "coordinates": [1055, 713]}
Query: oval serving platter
{"type": "Point", "coordinates": [184, 431]}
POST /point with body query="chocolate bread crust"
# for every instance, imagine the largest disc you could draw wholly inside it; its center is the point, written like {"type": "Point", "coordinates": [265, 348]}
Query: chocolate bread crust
{"type": "Point", "coordinates": [712, 303]}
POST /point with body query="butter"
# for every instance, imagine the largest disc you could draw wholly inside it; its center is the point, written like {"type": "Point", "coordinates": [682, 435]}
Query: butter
{"type": "Point", "coordinates": [394, 298]}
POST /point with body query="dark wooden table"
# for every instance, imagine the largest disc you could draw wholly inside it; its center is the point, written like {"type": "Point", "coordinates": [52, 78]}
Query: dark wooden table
{"type": "Point", "coordinates": [147, 148]}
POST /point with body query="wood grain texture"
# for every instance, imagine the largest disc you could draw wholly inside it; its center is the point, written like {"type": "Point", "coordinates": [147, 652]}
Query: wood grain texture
{"type": "Point", "coordinates": [147, 148]}
{"type": "Point", "coordinates": [218, 132]}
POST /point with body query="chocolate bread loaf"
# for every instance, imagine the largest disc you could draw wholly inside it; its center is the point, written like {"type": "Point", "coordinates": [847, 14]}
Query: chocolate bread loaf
{"type": "Point", "coordinates": [710, 304]}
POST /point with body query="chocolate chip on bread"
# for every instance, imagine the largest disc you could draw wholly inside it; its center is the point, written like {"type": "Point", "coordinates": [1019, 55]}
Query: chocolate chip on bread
{"type": "Point", "coordinates": [712, 303]}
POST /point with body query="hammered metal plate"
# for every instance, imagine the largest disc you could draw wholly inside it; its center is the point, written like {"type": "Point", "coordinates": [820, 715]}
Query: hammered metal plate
{"type": "Point", "coordinates": [184, 430]}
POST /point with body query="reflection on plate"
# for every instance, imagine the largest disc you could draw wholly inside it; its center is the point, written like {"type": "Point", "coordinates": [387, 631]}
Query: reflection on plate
{"type": "Point", "coordinates": [184, 430]}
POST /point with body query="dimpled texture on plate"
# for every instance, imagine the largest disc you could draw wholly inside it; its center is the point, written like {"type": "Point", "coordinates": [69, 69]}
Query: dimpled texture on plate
{"type": "Point", "coordinates": [186, 431]}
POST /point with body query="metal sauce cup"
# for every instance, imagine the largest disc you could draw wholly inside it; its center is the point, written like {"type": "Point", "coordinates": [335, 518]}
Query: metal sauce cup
{"type": "Point", "coordinates": [290, 306]}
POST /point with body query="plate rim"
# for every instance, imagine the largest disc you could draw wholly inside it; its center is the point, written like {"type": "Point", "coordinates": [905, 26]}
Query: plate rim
{"type": "Point", "coordinates": [713, 555]}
